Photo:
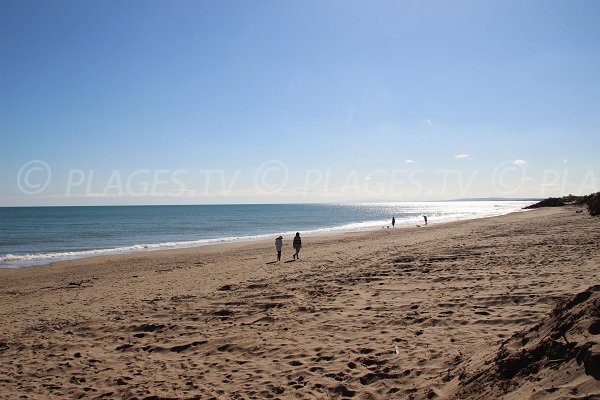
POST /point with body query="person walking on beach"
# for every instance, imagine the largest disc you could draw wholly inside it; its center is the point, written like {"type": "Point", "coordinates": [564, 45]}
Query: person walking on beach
{"type": "Point", "coordinates": [393, 221]}
{"type": "Point", "coordinates": [278, 246]}
{"type": "Point", "coordinates": [297, 245]}
{"type": "Point", "coordinates": [425, 218]}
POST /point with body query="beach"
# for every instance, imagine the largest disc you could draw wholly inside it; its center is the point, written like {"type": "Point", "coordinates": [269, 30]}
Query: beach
{"type": "Point", "coordinates": [407, 313]}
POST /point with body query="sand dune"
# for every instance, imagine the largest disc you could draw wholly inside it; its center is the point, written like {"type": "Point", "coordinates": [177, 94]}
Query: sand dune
{"type": "Point", "coordinates": [396, 313]}
{"type": "Point", "coordinates": [559, 357]}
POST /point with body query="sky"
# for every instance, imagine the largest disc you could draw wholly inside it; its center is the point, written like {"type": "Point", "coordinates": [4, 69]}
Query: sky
{"type": "Point", "coordinates": [199, 102]}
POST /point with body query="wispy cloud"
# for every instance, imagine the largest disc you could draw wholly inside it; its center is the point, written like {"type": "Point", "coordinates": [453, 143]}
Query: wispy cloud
{"type": "Point", "coordinates": [565, 161]}
{"type": "Point", "coordinates": [409, 161]}
{"type": "Point", "coordinates": [429, 122]}
{"type": "Point", "coordinates": [519, 162]}
{"type": "Point", "coordinates": [462, 156]}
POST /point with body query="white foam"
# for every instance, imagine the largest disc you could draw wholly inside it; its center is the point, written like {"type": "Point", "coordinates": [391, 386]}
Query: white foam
{"type": "Point", "coordinates": [434, 212]}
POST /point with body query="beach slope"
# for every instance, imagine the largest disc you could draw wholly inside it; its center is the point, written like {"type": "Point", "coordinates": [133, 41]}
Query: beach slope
{"type": "Point", "coordinates": [393, 313]}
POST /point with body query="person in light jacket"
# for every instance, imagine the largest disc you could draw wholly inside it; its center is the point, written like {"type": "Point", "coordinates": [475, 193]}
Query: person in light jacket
{"type": "Point", "coordinates": [297, 245]}
{"type": "Point", "coordinates": [278, 246]}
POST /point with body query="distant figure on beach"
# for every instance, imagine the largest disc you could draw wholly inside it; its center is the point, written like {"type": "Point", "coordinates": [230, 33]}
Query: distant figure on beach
{"type": "Point", "coordinates": [297, 245]}
{"type": "Point", "coordinates": [278, 246]}
{"type": "Point", "coordinates": [425, 218]}
{"type": "Point", "coordinates": [393, 221]}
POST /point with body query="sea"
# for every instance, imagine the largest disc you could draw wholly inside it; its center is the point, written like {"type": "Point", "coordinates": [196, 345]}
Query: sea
{"type": "Point", "coordinates": [41, 235]}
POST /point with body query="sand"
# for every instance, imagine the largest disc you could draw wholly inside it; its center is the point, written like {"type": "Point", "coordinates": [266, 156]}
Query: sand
{"type": "Point", "coordinates": [443, 311]}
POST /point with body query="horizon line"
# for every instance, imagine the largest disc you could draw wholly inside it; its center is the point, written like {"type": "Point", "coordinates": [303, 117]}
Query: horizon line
{"type": "Point", "coordinates": [292, 203]}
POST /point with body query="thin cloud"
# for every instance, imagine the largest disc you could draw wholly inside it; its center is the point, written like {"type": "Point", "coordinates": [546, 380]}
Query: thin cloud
{"type": "Point", "coordinates": [429, 122]}
{"type": "Point", "coordinates": [519, 162]}
{"type": "Point", "coordinates": [409, 161]}
{"type": "Point", "coordinates": [566, 161]}
{"type": "Point", "coordinates": [462, 156]}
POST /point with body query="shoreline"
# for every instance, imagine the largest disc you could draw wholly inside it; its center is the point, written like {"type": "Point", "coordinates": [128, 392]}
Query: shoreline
{"type": "Point", "coordinates": [327, 231]}
{"type": "Point", "coordinates": [380, 314]}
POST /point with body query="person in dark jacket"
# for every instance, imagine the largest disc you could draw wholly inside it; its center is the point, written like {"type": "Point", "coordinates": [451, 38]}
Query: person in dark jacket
{"type": "Point", "coordinates": [297, 245]}
{"type": "Point", "coordinates": [278, 246]}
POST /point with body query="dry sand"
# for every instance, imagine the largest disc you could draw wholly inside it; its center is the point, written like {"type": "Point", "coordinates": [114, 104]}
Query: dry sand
{"type": "Point", "coordinates": [394, 313]}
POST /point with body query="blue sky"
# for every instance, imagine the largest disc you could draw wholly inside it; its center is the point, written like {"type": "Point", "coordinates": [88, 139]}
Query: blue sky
{"type": "Point", "coordinates": [156, 102]}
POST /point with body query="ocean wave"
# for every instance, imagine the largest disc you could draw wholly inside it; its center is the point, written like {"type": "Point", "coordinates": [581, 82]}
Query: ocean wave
{"type": "Point", "coordinates": [19, 260]}
{"type": "Point", "coordinates": [116, 250]}
{"type": "Point", "coordinates": [23, 260]}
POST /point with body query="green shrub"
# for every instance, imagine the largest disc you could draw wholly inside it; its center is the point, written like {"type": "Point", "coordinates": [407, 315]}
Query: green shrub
{"type": "Point", "coordinates": [591, 200]}
{"type": "Point", "coordinates": [593, 203]}
{"type": "Point", "coordinates": [549, 202]}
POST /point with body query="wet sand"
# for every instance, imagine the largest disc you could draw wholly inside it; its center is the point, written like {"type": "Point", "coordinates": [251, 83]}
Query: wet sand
{"type": "Point", "coordinates": [391, 313]}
